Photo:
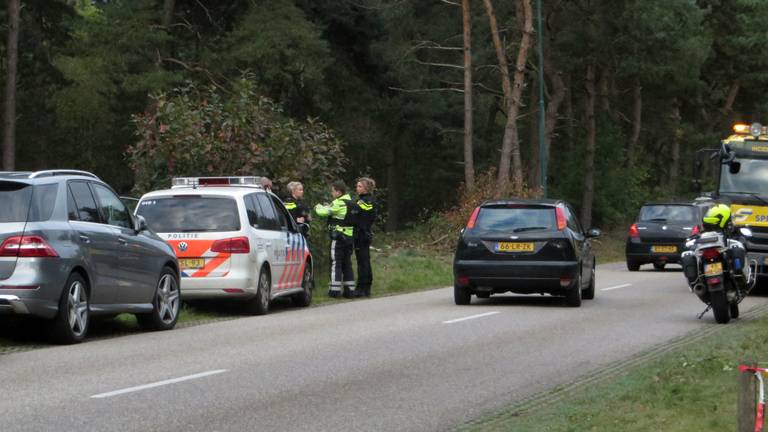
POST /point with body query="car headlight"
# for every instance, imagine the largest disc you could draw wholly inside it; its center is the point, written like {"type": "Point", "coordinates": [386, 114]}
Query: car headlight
{"type": "Point", "coordinates": [746, 232]}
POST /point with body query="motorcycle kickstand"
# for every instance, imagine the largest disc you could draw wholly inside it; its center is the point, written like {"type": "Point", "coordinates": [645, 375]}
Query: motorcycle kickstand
{"type": "Point", "coordinates": [705, 311]}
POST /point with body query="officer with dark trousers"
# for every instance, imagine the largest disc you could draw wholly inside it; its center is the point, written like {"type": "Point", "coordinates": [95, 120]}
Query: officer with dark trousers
{"type": "Point", "coordinates": [341, 230]}
{"type": "Point", "coordinates": [364, 234]}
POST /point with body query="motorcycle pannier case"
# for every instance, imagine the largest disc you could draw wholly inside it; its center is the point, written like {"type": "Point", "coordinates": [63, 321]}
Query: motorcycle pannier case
{"type": "Point", "coordinates": [690, 267]}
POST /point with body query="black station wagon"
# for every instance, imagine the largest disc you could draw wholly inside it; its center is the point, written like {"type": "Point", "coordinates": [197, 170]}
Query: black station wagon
{"type": "Point", "coordinates": [526, 247]}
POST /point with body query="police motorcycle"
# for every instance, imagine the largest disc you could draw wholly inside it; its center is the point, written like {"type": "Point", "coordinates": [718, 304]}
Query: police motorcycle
{"type": "Point", "coordinates": [716, 268]}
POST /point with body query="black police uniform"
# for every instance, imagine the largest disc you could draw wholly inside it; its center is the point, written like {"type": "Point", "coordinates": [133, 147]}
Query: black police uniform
{"type": "Point", "coordinates": [297, 209]}
{"type": "Point", "coordinates": [363, 237]}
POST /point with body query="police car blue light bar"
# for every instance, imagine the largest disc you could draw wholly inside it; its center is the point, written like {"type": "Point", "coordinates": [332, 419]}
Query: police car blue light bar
{"type": "Point", "coordinates": [215, 181]}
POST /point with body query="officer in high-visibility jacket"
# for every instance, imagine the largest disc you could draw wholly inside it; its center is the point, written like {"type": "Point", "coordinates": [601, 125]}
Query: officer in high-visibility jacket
{"type": "Point", "coordinates": [341, 230]}
{"type": "Point", "coordinates": [364, 234]}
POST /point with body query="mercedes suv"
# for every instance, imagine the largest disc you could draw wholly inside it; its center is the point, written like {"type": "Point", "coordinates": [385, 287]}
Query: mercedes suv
{"type": "Point", "coordinates": [69, 249]}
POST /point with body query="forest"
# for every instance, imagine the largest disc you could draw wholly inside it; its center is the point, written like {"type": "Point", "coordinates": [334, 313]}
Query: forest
{"type": "Point", "coordinates": [435, 99]}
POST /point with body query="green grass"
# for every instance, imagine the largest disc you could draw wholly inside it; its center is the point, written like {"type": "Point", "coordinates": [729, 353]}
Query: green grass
{"type": "Point", "coordinates": [689, 389]}
{"type": "Point", "coordinates": [609, 247]}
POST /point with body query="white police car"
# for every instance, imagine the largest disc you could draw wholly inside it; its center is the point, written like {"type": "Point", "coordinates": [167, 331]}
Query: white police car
{"type": "Point", "coordinates": [233, 239]}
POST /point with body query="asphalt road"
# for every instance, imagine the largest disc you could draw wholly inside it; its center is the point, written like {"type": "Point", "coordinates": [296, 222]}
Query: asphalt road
{"type": "Point", "coordinates": [413, 362]}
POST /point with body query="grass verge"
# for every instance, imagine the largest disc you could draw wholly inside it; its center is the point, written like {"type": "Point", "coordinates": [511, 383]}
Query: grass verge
{"type": "Point", "coordinates": [691, 388]}
{"type": "Point", "coordinates": [609, 247]}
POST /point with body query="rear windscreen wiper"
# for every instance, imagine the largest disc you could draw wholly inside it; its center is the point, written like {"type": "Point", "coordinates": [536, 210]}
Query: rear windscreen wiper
{"type": "Point", "coordinates": [532, 228]}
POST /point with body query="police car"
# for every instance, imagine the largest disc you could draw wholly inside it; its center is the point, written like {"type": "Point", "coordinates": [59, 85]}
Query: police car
{"type": "Point", "coordinates": [233, 239]}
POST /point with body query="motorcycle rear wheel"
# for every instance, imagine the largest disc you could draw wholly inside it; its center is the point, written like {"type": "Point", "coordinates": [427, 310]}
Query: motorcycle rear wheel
{"type": "Point", "coordinates": [720, 307]}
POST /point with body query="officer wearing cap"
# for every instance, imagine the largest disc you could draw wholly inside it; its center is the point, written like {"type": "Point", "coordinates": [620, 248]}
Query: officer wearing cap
{"type": "Point", "coordinates": [341, 230]}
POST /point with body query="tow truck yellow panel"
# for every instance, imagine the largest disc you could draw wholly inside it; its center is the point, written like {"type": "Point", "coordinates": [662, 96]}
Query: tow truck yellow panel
{"type": "Point", "coordinates": [749, 215]}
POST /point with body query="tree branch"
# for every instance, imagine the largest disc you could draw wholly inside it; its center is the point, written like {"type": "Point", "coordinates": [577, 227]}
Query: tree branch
{"type": "Point", "coordinates": [426, 90]}
{"type": "Point", "coordinates": [448, 65]}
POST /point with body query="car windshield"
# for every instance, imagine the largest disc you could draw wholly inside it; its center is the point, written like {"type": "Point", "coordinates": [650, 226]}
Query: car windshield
{"type": "Point", "coordinates": [516, 219]}
{"type": "Point", "coordinates": [17, 197]}
{"type": "Point", "coordinates": [751, 178]}
{"type": "Point", "coordinates": [667, 213]}
{"type": "Point", "coordinates": [190, 214]}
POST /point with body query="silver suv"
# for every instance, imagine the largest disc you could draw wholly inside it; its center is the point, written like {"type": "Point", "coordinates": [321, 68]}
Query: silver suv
{"type": "Point", "coordinates": [69, 249]}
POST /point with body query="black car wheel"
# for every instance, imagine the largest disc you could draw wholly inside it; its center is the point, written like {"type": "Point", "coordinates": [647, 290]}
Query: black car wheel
{"type": "Point", "coordinates": [304, 298]}
{"type": "Point", "coordinates": [461, 295]}
{"type": "Point", "coordinates": [633, 265]}
{"type": "Point", "coordinates": [589, 293]}
{"type": "Point", "coordinates": [71, 322]}
{"type": "Point", "coordinates": [573, 295]}
{"type": "Point", "coordinates": [259, 305]}
{"type": "Point", "coordinates": [166, 304]}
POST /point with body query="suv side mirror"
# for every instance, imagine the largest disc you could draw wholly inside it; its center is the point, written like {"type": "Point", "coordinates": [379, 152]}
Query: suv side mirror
{"type": "Point", "coordinates": [303, 228]}
{"type": "Point", "coordinates": [594, 232]}
{"type": "Point", "coordinates": [140, 224]}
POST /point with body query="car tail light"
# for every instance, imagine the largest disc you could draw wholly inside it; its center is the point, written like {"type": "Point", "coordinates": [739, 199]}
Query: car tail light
{"type": "Point", "coordinates": [564, 282]}
{"type": "Point", "coordinates": [236, 245]}
{"type": "Point", "coordinates": [695, 230]}
{"type": "Point", "coordinates": [473, 218]}
{"type": "Point", "coordinates": [633, 231]}
{"type": "Point", "coordinates": [710, 254]}
{"type": "Point", "coordinates": [462, 280]}
{"type": "Point", "coordinates": [562, 222]}
{"type": "Point", "coordinates": [27, 247]}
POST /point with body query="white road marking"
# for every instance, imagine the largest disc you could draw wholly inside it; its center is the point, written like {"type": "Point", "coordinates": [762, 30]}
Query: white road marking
{"type": "Point", "coordinates": [157, 384]}
{"type": "Point", "coordinates": [615, 287]}
{"type": "Point", "coordinates": [470, 317]}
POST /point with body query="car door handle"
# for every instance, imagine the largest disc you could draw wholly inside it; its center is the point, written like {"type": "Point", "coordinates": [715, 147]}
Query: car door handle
{"type": "Point", "coordinates": [84, 238]}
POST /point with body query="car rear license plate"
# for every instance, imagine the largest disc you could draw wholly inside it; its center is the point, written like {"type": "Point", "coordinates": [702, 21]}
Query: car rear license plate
{"type": "Point", "coordinates": [713, 269]}
{"type": "Point", "coordinates": [191, 263]}
{"type": "Point", "coordinates": [514, 247]}
{"type": "Point", "coordinates": [663, 249]}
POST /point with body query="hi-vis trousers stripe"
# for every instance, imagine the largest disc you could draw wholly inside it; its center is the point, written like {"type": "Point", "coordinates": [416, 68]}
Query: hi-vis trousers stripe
{"type": "Point", "coordinates": [335, 286]}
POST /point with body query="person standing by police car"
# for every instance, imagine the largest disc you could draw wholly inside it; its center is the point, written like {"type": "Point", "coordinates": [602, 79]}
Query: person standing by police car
{"type": "Point", "coordinates": [295, 205]}
{"type": "Point", "coordinates": [340, 213]}
{"type": "Point", "coordinates": [364, 235]}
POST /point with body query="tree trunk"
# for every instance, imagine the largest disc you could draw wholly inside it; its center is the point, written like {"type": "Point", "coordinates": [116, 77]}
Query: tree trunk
{"type": "Point", "coordinates": [731, 98]}
{"type": "Point", "coordinates": [676, 134]}
{"type": "Point", "coordinates": [637, 120]}
{"type": "Point", "coordinates": [393, 189]}
{"type": "Point", "coordinates": [570, 122]}
{"type": "Point", "coordinates": [168, 8]}
{"type": "Point", "coordinates": [589, 164]}
{"type": "Point", "coordinates": [510, 147]}
{"type": "Point", "coordinates": [602, 85]}
{"type": "Point", "coordinates": [469, 164]}
{"type": "Point", "coordinates": [9, 120]}
{"type": "Point", "coordinates": [555, 99]}
{"type": "Point", "coordinates": [534, 164]}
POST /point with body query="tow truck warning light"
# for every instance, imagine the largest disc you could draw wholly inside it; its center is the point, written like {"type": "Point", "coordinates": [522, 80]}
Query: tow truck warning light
{"type": "Point", "coordinates": [177, 182]}
{"type": "Point", "coordinates": [755, 129]}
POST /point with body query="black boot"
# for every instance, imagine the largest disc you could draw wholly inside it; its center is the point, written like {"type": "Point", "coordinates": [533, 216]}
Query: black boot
{"type": "Point", "coordinates": [348, 293]}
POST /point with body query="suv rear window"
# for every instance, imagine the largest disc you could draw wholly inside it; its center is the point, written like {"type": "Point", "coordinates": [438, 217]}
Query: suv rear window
{"type": "Point", "coordinates": [516, 219]}
{"type": "Point", "coordinates": [190, 214]}
{"type": "Point", "coordinates": [667, 213]}
{"type": "Point", "coordinates": [17, 197]}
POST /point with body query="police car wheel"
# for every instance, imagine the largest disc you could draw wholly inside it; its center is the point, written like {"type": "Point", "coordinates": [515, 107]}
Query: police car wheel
{"type": "Point", "coordinates": [259, 304]}
{"type": "Point", "coordinates": [304, 298]}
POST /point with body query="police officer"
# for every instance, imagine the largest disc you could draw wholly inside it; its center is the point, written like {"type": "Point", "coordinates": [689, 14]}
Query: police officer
{"type": "Point", "coordinates": [341, 231]}
{"type": "Point", "coordinates": [364, 234]}
{"type": "Point", "coordinates": [295, 205]}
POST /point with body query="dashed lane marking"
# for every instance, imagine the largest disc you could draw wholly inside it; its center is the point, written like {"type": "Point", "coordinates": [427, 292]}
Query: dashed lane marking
{"type": "Point", "coordinates": [157, 384]}
{"type": "Point", "coordinates": [616, 287]}
{"type": "Point", "coordinates": [470, 317]}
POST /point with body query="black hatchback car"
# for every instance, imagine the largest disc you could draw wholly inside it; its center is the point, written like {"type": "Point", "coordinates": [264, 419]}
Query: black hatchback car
{"type": "Point", "coordinates": [659, 233]}
{"type": "Point", "coordinates": [526, 247]}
